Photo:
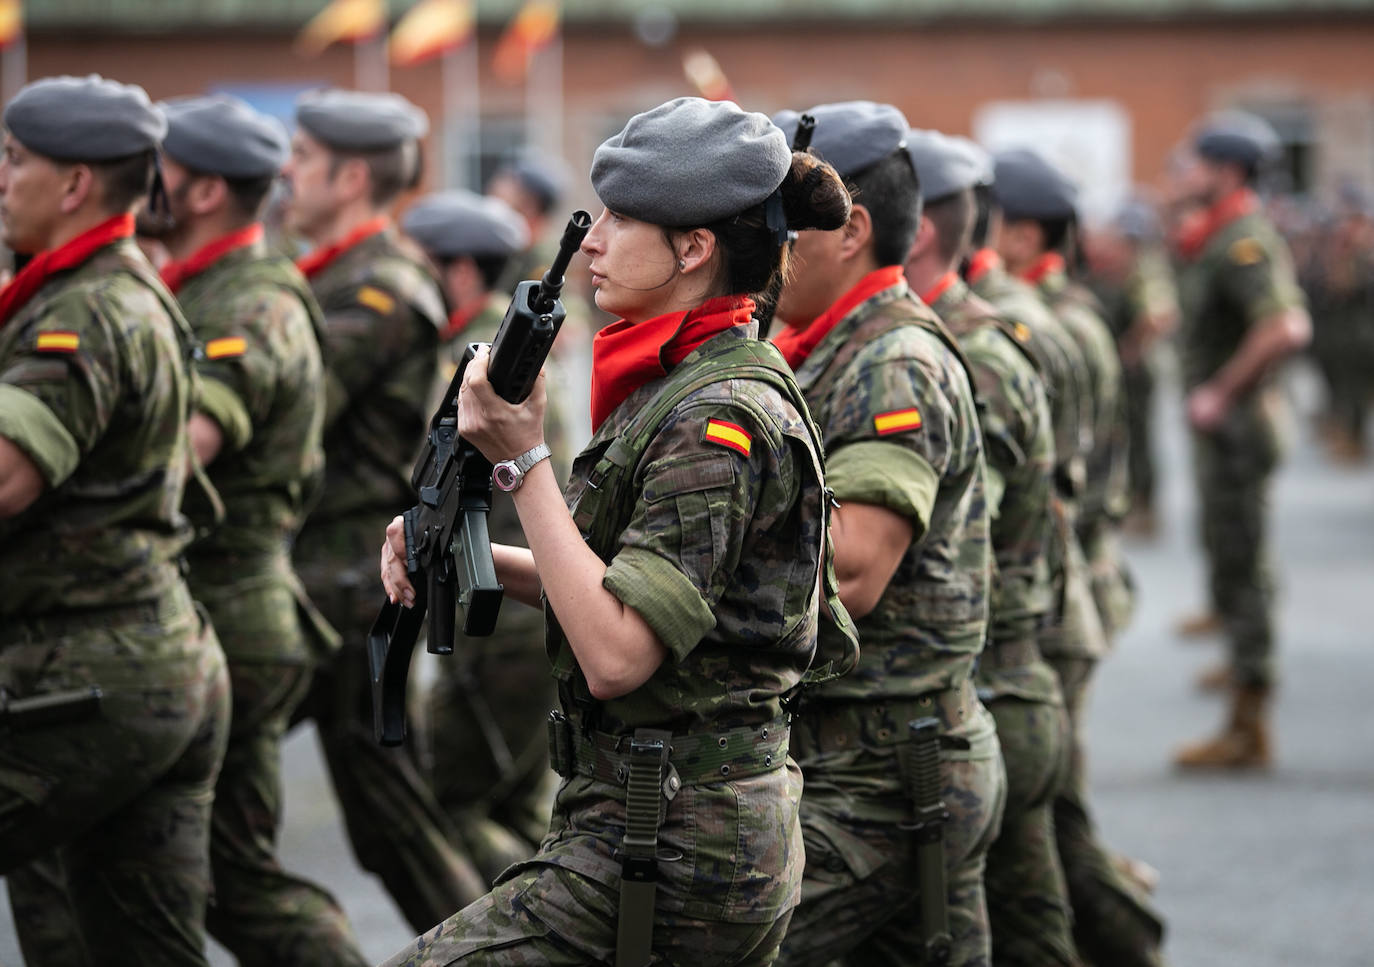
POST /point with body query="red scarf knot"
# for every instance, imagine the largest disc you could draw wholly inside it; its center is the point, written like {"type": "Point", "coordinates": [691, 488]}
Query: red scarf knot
{"type": "Point", "coordinates": [1192, 237]}
{"type": "Point", "coordinates": [797, 342]}
{"type": "Point", "coordinates": [176, 272]}
{"type": "Point", "coordinates": [318, 260]}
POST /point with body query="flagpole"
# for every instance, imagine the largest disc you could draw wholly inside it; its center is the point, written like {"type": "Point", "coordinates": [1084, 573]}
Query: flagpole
{"type": "Point", "coordinates": [371, 72]}
{"type": "Point", "coordinates": [544, 99]}
{"type": "Point", "coordinates": [462, 108]}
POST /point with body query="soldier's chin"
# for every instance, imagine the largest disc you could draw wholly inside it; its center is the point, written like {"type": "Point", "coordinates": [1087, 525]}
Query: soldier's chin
{"type": "Point", "coordinates": [152, 225]}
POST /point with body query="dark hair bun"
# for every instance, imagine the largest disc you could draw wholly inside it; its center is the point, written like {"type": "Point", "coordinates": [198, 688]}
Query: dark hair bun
{"type": "Point", "coordinates": [814, 195]}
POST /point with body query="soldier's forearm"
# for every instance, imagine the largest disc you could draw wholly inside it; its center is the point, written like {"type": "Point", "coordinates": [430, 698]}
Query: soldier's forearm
{"type": "Point", "coordinates": [1266, 345]}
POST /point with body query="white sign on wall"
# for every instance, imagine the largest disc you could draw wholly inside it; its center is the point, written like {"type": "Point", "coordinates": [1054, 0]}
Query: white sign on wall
{"type": "Point", "coordinates": [1089, 139]}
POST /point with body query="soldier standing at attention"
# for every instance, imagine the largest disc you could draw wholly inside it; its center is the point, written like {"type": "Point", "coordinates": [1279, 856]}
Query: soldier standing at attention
{"type": "Point", "coordinates": [904, 458]}
{"type": "Point", "coordinates": [533, 188]}
{"type": "Point", "coordinates": [352, 156]}
{"type": "Point", "coordinates": [486, 715]}
{"type": "Point", "coordinates": [94, 397]}
{"type": "Point", "coordinates": [256, 426]}
{"type": "Point", "coordinates": [1243, 314]}
{"type": "Point", "coordinates": [1028, 905]}
{"type": "Point", "coordinates": [683, 575]}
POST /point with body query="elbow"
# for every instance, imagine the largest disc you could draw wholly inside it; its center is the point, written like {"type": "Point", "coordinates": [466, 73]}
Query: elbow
{"type": "Point", "coordinates": [860, 596]}
{"type": "Point", "coordinates": [608, 683]}
{"type": "Point", "coordinates": [1298, 331]}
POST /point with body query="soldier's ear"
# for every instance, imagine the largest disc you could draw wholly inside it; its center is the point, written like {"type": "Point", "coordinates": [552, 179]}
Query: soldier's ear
{"type": "Point", "coordinates": [77, 185]}
{"type": "Point", "coordinates": [857, 233]}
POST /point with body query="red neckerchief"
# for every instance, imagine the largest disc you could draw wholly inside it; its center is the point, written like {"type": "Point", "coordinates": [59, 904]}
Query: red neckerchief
{"type": "Point", "coordinates": [1193, 238]}
{"type": "Point", "coordinates": [319, 259]}
{"type": "Point", "coordinates": [458, 320]}
{"type": "Point", "coordinates": [980, 263]}
{"type": "Point", "coordinates": [176, 272]}
{"type": "Point", "coordinates": [797, 342]}
{"type": "Point", "coordinates": [69, 255]}
{"type": "Point", "coordinates": [932, 295]}
{"type": "Point", "coordinates": [627, 355]}
{"type": "Point", "coordinates": [1050, 263]}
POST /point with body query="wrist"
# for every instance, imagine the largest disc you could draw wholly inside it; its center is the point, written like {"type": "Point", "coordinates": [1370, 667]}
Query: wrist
{"type": "Point", "coordinates": [509, 475]}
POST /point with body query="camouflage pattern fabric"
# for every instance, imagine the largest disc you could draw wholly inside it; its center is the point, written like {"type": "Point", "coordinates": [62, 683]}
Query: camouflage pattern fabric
{"type": "Point", "coordinates": [486, 715]}
{"type": "Point", "coordinates": [1106, 495]}
{"type": "Point", "coordinates": [719, 551]}
{"type": "Point", "coordinates": [1342, 304]}
{"type": "Point", "coordinates": [1243, 275]}
{"type": "Point", "coordinates": [115, 810]}
{"type": "Point", "coordinates": [383, 313]}
{"type": "Point", "coordinates": [1028, 905]}
{"type": "Point", "coordinates": [889, 357]}
{"type": "Point", "coordinates": [262, 381]}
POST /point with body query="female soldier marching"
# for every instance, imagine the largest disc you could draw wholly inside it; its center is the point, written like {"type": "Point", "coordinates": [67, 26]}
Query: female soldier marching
{"type": "Point", "coordinates": [681, 577]}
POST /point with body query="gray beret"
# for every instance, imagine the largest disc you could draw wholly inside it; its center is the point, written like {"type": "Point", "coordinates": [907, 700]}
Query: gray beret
{"type": "Point", "coordinates": [690, 162]}
{"type": "Point", "coordinates": [1136, 219]}
{"type": "Point", "coordinates": [1028, 186]}
{"type": "Point", "coordinates": [223, 136]}
{"type": "Point", "coordinates": [947, 165]}
{"type": "Point", "coordinates": [544, 179]}
{"type": "Point", "coordinates": [1238, 137]}
{"type": "Point", "coordinates": [84, 119]}
{"type": "Point", "coordinates": [851, 135]}
{"type": "Point", "coordinates": [452, 223]}
{"type": "Point", "coordinates": [358, 120]}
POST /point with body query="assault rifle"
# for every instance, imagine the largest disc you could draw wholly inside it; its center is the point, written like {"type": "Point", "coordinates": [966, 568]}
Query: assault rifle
{"type": "Point", "coordinates": [448, 552]}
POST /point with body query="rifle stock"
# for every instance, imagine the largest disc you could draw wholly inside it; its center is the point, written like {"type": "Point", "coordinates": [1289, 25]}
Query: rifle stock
{"type": "Point", "coordinates": [448, 551]}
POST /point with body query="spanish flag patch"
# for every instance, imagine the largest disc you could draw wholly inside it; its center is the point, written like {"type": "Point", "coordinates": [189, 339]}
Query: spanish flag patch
{"type": "Point", "coordinates": [897, 421]}
{"type": "Point", "coordinates": [225, 348]}
{"type": "Point", "coordinates": [58, 341]}
{"type": "Point", "coordinates": [728, 435]}
{"type": "Point", "coordinates": [376, 300]}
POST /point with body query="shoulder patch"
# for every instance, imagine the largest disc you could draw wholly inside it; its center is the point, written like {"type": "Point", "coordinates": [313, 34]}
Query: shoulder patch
{"type": "Point", "coordinates": [1021, 332]}
{"type": "Point", "coordinates": [225, 348]}
{"type": "Point", "coordinates": [1246, 251]}
{"type": "Point", "coordinates": [376, 300]}
{"type": "Point", "coordinates": [728, 435]}
{"type": "Point", "coordinates": [897, 421]}
{"type": "Point", "coordinates": [58, 341]}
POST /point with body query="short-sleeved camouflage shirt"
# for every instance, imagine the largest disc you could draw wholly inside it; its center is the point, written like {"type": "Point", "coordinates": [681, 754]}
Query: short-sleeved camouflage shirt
{"type": "Point", "coordinates": [897, 415]}
{"type": "Point", "coordinates": [1018, 444]}
{"type": "Point", "coordinates": [1244, 274]}
{"type": "Point", "coordinates": [94, 388]}
{"type": "Point", "coordinates": [383, 314]}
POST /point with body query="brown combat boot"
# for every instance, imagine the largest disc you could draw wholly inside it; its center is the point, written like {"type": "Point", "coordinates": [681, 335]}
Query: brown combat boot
{"type": "Point", "coordinates": [1216, 678]}
{"type": "Point", "coordinates": [1243, 743]}
{"type": "Point", "coordinates": [1199, 625]}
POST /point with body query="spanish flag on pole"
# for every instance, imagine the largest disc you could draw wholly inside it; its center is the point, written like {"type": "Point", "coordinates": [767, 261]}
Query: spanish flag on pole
{"type": "Point", "coordinates": [11, 22]}
{"type": "Point", "coordinates": [534, 27]}
{"type": "Point", "coordinates": [342, 21]}
{"type": "Point", "coordinates": [431, 29]}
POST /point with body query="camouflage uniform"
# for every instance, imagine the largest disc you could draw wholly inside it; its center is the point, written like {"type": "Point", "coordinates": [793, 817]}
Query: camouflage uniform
{"type": "Point", "coordinates": [1113, 922]}
{"type": "Point", "coordinates": [262, 382]}
{"type": "Point", "coordinates": [920, 642]}
{"type": "Point", "coordinates": [94, 389]}
{"type": "Point", "coordinates": [1343, 316]}
{"type": "Point", "coordinates": [383, 312]}
{"type": "Point", "coordinates": [719, 552]}
{"type": "Point", "coordinates": [1147, 292]}
{"type": "Point", "coordinates": [1028, 905]}
{"type": "Point", "coordinates": [1242, 275]}
{"type": "Point", "coordinates": [486, 714]}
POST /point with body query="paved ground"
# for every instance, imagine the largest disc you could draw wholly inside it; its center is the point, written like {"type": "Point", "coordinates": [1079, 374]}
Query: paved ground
{"type": "Point", "coordinates": [1265, 871]}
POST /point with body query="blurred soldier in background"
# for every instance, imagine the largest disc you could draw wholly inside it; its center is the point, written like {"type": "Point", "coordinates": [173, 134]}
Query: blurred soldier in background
{"type": "Point", "coordinates": [352, 156]}
{"type": "Point", "coordinates": [487, 748]}
{"type": "Point", "coordinates": [1243, 314]}
{"type": "Point", "coordinates": [104, 817]}
{"type": "Point", "coordinates": [1028, 904]}
{"type": "Point", "coordinates": [1133, 282]}
{"type": "Point", "coordinates": [1112, 921]}
{"type": "Point", "coordinates": [256, 426]}
{"type": "Point", "coordinates": [533, 187]}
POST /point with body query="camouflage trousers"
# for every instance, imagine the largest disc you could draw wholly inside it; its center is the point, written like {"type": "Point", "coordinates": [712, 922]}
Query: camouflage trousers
{"type": "Point", "coordinates": [860, 895]}
{"type": "Point", "coordinates": [486, 748]}
{"type": "Point", "coordinates": [105, 824]}
{"type": "Point", "coordinates": [1113, 591]}
{"type": "Point", "coordinates": [1139, 381]}
{"type": "Point", "coordinates": [1234, 473]}
{"type": "Point", "coordinates": [396, 827]}
{"type": "Point", "coordinates": [1114, 925]}
{"type": "Point", "coordinates": [261, 913]}
{"type": "Point", "coordinates": [1028, 903]}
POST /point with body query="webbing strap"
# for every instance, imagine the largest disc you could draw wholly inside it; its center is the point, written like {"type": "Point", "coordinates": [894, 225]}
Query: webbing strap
{"type": "Point", "coordinates": [639, 869]}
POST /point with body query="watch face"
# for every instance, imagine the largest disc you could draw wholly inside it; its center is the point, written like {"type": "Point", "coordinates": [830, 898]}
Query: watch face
{"type": "Point", "coordinates": [505, 476]}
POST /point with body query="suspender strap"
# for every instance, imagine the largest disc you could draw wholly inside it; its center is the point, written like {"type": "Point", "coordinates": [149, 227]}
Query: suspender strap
{"type": "Point", "coordinates": [639, 870]}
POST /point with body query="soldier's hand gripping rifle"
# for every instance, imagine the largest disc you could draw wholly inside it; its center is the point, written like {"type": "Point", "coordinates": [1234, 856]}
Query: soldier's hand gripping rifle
{"type": "Point", "coordinates": [448, 553]}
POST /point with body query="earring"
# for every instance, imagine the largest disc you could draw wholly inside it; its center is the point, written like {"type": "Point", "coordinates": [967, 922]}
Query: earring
{"type": "Point", "coordinates": [682, 263]}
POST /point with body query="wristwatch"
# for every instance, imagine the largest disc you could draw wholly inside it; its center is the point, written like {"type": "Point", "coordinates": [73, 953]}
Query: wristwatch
{"type": "Point", "coordinates": [508, 475]}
